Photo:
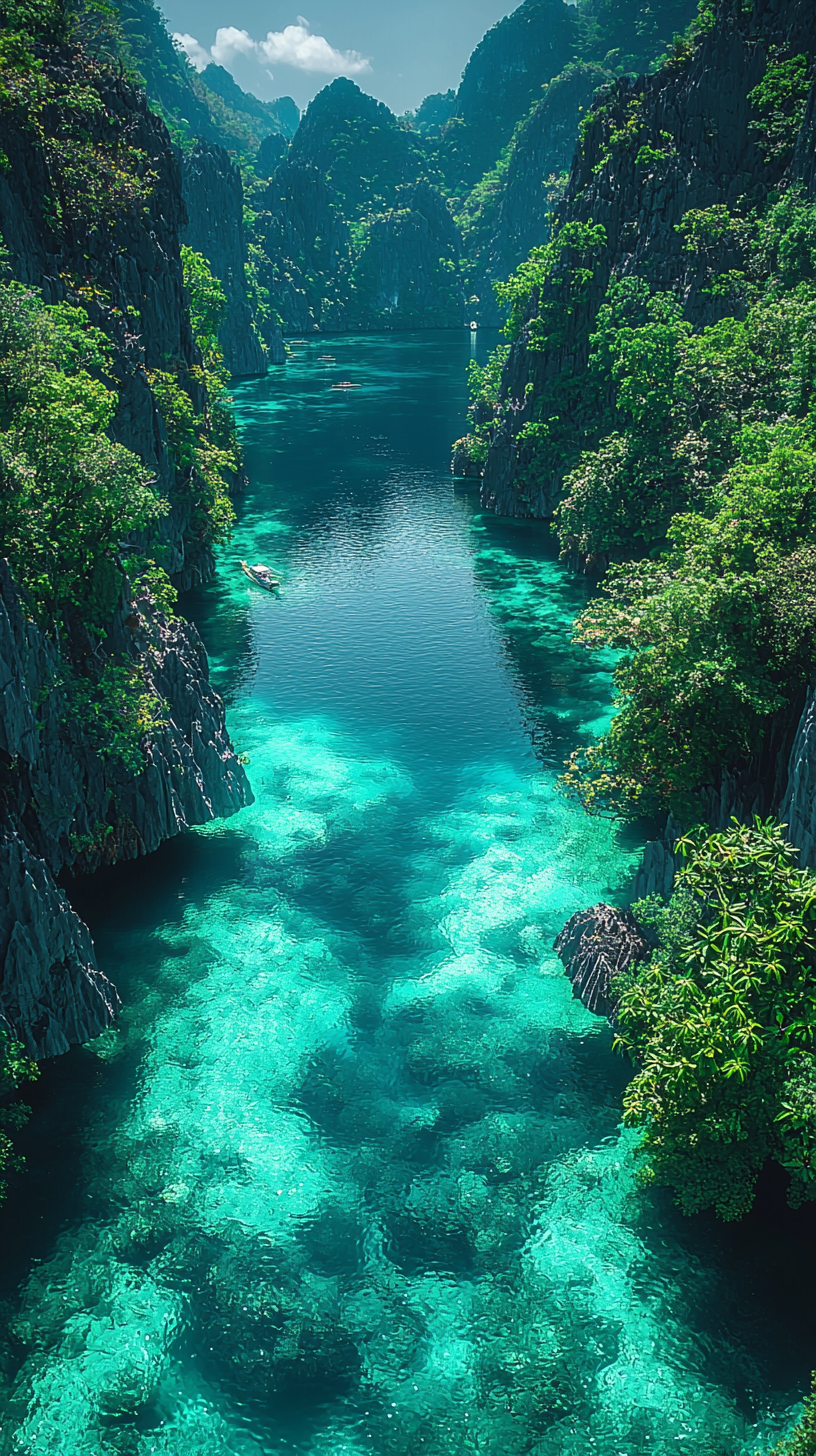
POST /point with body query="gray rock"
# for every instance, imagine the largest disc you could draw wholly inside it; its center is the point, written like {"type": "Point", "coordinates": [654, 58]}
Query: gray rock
{"type": "Point", "coordinates": [597, 945]}
{"type": "Point", "coordinates": [52, 992]}
{"type": "Point", "coordinates": [798, 806]}
{"type": "Point", "coordinates": [214, 195]}
{"type": "Point", "coordinates": [66, 805]}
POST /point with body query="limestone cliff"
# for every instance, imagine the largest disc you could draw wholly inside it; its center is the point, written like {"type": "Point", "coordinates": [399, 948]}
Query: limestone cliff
{"type": "Point", "coordinates": [532, 186]}
{"type": "Point", "coordinates": [67, 802]}
{"type": "Point", "coordinates": [503, 79]}
{"type": "Point", "coordinates": [408, 274]}
{"type": "Point", "coordinates": [654, 148]}
{"type": "Point", "coordinates": [214, 197]}
{"type": "Point", "coordinates": [128, 276]}
{"type": "Point", "coordinates": [349, 232]}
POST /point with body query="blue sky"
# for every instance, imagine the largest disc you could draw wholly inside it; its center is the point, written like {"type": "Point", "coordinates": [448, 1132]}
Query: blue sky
{"type": "Point", "coordinates": [398, 50]}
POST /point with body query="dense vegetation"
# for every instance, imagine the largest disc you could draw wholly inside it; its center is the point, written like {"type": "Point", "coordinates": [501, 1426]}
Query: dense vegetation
{"type": "Point", "coordinates": [692, 453]}
{"type": "Point", "coordinates": [721, 1022]}
{"type": "Point", "coordinates": [79, 512]}
{"type": "Point", "coordinates": [15, 1068]}
{"type": "Point", "coordinates": [713, 451]}
{"type": "Point", "coordinates": [69, 495]}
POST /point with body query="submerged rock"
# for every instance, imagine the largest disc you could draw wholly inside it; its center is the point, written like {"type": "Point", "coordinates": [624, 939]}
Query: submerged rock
{"type": "Point", "coordinates": [595, 946]}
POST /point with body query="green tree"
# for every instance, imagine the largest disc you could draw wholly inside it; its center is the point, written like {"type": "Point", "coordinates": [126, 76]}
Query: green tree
{"type": "Point", "coordinates": [68, 494]}
{"type": "Point", "coordinates": [15, 1067]}
{"type": "Point", "coordinates": [721, 1022]}
{"type": "Point", "coordinates": [719, 632]}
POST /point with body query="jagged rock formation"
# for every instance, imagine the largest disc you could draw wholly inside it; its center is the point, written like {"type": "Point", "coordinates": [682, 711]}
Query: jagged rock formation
{"type": "Point", "coordinates": [271, 153]}
{"type": "Point", "coordinates": [535, 179]}
{"type": "Point", "coordinates": [304, 248]}
{"type": "Point", "coordinates": [68, 804]}
{"type": "Point", "coordinates": [696, 117]}
{"type": "Point", "coordinates": [214, 196]}
{"type": "Point", "coordinates": [281, 116]}
{"type": "Point", "coordinates": [349, 232]}
{"type": "Point", "coordinates": [595, 946]}
{"type": "Point", "coordinates": [502, 80]}
{"type": "Point", "coordinates": [52, 992]}
{"type": "Point", "coordinates": [409, 270]}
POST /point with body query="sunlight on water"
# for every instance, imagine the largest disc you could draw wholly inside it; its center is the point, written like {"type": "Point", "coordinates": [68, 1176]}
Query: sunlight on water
{"type": "Point", "coordinates": [352, 1177]}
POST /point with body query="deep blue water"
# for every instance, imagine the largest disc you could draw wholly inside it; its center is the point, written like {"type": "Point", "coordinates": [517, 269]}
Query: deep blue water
{"type": "Point", "coordinates": [348, 1176]}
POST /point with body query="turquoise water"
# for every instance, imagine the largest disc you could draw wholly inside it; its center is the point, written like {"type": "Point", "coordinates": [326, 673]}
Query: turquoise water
{"type": "Point", "coordinates": [348, 1177]}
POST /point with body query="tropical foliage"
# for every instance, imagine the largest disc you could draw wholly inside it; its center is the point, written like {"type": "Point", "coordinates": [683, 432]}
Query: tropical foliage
{"type": "Point", "coordinates": [15, 1067]}
{"type": "Point", "coordinates": [721, 1022]}
{"type": "Point", "coordinates": [707, 473]}
{"type": "Point", "coordinates": [803, 1440]}
{"type": "Point", "coordinates": [68, 494]}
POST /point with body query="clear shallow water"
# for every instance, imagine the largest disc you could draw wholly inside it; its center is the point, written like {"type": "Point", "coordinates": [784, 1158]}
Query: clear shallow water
{"type": "Point", "coordinates": [348, 1176]}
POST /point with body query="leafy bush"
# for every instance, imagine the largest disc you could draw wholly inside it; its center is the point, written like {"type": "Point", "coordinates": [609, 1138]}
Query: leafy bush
{"type": "Point", "coordinates": [572, 255]}
{"type": "Point", "coordinates": [803, 1440]}
{"type": "Point", "coordinates": [721, 1023]}
{"type": "Point", "coordinates": [117, 712]}
{"type": "Point", "coordinates": [780, 99]}
{"type": "Point", "coordinates": [68, 495]}
{"type": "Point", "coordinates": [720, 633]}
{"type": "Point", "coordinates": [15, 1067]}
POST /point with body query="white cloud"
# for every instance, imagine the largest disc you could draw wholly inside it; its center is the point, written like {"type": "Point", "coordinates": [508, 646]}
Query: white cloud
{"type": "Point", "coordinates": [293, 46]}
{"type": "Point", "coordinates": [193, 51]}
{"type": "Point", "coordinates": [230, 43]}
{"type": "Point", "coordinates": [296, 46]}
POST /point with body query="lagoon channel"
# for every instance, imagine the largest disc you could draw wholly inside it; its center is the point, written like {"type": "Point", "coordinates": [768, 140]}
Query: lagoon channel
{"type": "Point", "coordinates": [347, 1179]}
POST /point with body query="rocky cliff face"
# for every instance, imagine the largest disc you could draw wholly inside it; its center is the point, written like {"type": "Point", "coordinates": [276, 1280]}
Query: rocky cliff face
{"type": "Point", "coordinates": [535, 181]}
{"type": "Point", "coordinates": [126, 273]}
{"type": "Point", "coordinates": [214, 197]}
{"type": "Point", "coordinates": [67, 803]}
{"type": "Point", "coordinates": [409, 271]}
{"type": "Point", "coordinates": [304, 248]}
{"type": "Point", "coordinates": [349, 233]}
{"type": "Point", "coordinates": [695, 118]}
{"type": "Point", "coordinates": [503, 79]}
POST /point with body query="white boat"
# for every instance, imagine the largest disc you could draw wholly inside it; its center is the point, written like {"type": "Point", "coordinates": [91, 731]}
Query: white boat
{"type": "Point", "coordinates": [261, 575]}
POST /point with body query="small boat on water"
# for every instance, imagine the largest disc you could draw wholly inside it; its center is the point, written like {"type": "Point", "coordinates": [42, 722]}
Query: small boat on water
{"type": "Point", "coordinates": [345, 384]}
{"type": "Point", "coordinates": [261, 575]}
{"type": "Point", "coordinates": [327, 358]}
